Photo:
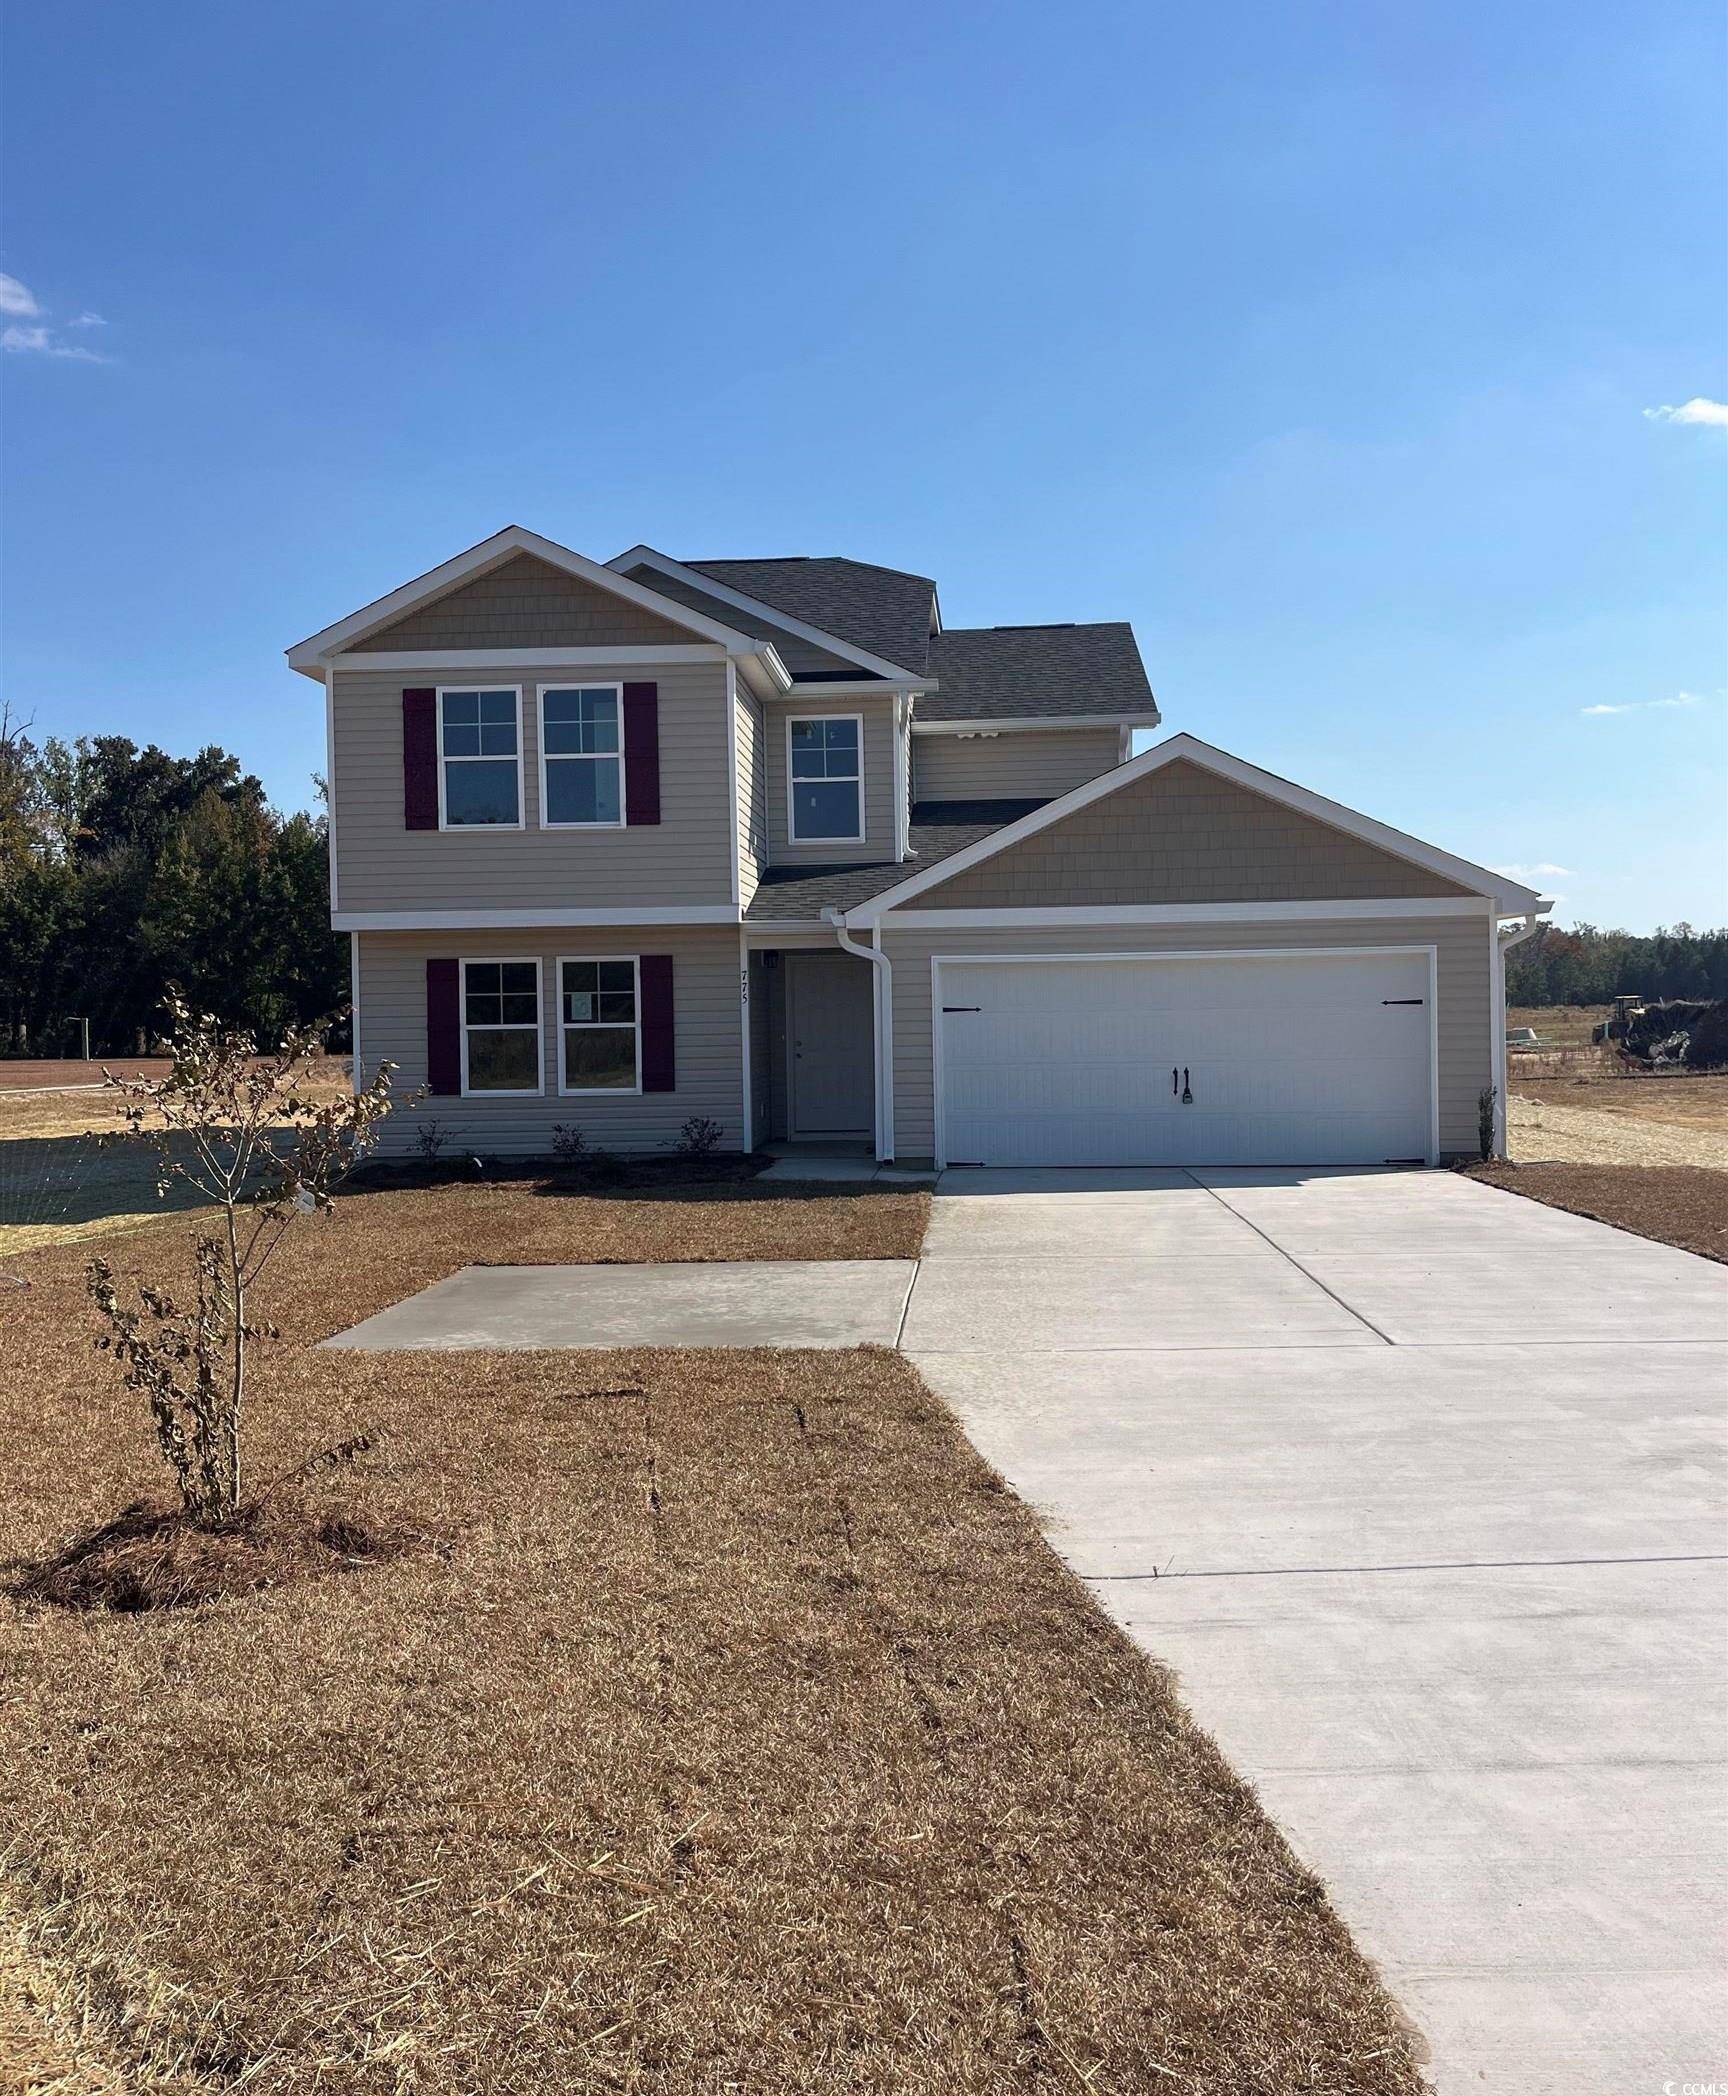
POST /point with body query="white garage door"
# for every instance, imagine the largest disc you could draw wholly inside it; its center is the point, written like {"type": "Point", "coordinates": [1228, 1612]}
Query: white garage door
{"type": "Point", "coordinates": [1298, 1058]}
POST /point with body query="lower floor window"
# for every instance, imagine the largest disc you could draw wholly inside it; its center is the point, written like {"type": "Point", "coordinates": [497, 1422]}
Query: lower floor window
{"type": "Point", "coordinates": [598, 1026]}
{"type": "Point", "coordinates": [501, 1026]}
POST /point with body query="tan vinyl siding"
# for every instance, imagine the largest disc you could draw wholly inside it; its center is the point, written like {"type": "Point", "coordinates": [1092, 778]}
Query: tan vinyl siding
{"type": "Point", "coordinates": [877, 847]}
{"type": "Point", "coordinates": [706, 1018]}
{"type": "Point", "coordinates": [1030, 765]}
{"type": "Point", "coordinates": [752, 795]}
{"type": "Point", "coordinates": [685, 858]}
{"type": "Point", "coordinates": [1464, 1015]}
{"type": "Point", "coordinates": [527, 603]}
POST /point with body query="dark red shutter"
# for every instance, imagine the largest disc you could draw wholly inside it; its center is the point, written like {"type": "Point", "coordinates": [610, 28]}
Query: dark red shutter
{"type": "Point", "coordinates": [444, 1027]}
{"type": "Point", "coordinates": [659, 1063]}
{"type": "Point", "coordinates": [642, 755]}
{"type": "Point", "coordinates": [420, 759]}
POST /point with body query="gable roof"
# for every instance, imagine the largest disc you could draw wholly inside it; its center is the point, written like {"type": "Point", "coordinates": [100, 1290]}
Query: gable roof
{"type": "Point", "coordinates": [885, 610]}
{"type": "Point", "coordinates": [308, 655]}
{"type": "Point", "coordinates": [1510, 898]}
{"type": "Point", "coordinates": [1008, 672]}
{"type": "Point", "coordinates": [938, 829]}
{"type": "Point", "coordinates": [871, 605]}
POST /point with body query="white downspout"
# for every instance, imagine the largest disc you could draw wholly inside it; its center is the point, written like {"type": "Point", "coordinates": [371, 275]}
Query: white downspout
{"type": "Point", "coordinates": [1503, 944]}
{"type": "Point", "coordinates": [882, 983]}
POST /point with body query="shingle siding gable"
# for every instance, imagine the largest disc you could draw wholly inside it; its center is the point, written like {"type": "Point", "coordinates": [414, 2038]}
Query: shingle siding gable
{"type": "Point", "coordinates": [527, 603]}
{"type": "Point", "coordinates": [1184, 834]}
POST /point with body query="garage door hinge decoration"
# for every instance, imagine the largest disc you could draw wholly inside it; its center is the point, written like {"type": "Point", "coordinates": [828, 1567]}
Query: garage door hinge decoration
{"type": "Point", "coordinates": [1403, 1000]}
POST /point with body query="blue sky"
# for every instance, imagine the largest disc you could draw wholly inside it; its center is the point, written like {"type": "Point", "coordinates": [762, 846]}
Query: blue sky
{"type": "Point", "coordinates": [1320, 342]}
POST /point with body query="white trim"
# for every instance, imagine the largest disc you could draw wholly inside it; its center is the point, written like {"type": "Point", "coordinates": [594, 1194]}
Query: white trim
{"type": "Point", "coordinates": [469, 828]}
{"type": "Point", "coordinates": [1175, 953]}
{"type": "Point", "coordinates": [524, 920]}
{"type": "Point", "coordinates": [1042, 724]}
{"type": "Point", "coordinates": [308, 654]}
{"type": "Point", "coordinates": [793, 720]}
{"type": "Point", "coordinates": [509, 960]}
{"type": "Point", "coordinates": [1510, 895]}
{"type": "Point", "coordinates": [723, 593]}
{"type": "Point", "coordinates": [566, 1090]}
{"type": "Point", "coordinates": [354, 1011]}
{"type": "Point", "coordinates": [524, 658]}
{"type": "Point", "coordinates": [617, 690]}
{"type": "Point", "coordinates": [330, 780]}
{"type": "Point", "coordinates": [746, 1058]}
{"type": "Point", "coordinates": [1057, 918]}
{"type": "Point", "coordinates": [902, 781]}
{"type": "Point", "coordinates": [871, 688]}
{"type": "Point", "coordinates": [732, 781]}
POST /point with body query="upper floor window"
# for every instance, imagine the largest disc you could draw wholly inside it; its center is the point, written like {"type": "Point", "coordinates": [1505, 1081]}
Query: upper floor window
{"type": "Point", "coordinates": [825, 783]}
{"type": "Point", "coordinates": [581, 757]}
{"type": "Point", "coordinates": [480, 759]}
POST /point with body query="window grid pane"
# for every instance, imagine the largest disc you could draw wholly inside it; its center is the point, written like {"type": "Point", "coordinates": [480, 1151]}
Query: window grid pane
{"type": "Point", "coordinates": [597, 1005]}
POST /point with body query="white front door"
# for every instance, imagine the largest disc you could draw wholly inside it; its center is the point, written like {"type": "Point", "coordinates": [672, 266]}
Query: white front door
{"type": "Point", "coordinates": [1251, 1059]}
{"type": "Point", "coordinates": [831, 1044]}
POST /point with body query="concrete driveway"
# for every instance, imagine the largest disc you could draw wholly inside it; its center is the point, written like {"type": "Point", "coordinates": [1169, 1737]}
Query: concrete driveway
{"type": "Point", "coordinates": [1419, 1488]}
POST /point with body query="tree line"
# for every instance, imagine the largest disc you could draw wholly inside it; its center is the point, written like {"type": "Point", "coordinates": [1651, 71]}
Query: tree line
{"type": "Point", "coordinates": [1587, 966]}
{"type": "Point", "coordinates": [123, 870]}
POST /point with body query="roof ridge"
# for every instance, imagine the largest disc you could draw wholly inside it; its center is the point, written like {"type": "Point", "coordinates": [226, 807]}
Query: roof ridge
{"type": "Point", "coordinates": [770, 560]}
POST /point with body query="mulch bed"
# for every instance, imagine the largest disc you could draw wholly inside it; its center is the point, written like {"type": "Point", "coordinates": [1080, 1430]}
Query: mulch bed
{"type": "Point", "coordinates": [1682, 1205]}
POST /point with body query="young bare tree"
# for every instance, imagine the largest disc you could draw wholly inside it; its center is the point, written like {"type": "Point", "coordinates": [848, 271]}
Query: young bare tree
{"type": "Point", "coordinates": [249, 1134]}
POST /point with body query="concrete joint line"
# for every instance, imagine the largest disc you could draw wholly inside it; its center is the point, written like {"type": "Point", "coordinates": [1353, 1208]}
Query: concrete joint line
{"type": "Point", "coordinates": [1464, 1564]}
{"type": "Point", "coordinates": [1349, 1309]}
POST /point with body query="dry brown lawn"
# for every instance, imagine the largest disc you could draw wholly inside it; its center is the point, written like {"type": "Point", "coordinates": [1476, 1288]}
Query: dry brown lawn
{"type": "Point", "coordinates": [741, 1732]}
{"type": "Point", "coordinates": [1684, 1205]}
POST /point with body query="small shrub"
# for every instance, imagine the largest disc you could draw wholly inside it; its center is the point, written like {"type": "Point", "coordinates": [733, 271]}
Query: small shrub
{"type": "Point", "coordinates": [1486, 1101]}
{"type": "Point", "coordinates": [247, 1134]}
{"type": "Point", "coordinates": [429, 1139]}
{"type": "Point", "coordinates": [699, 1137]}
{"type": "Point", "coordinates": [569, 1145]}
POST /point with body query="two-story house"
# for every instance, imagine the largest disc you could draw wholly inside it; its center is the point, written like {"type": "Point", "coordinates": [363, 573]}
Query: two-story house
{"type": "Point", "coordinates": [765, 842]}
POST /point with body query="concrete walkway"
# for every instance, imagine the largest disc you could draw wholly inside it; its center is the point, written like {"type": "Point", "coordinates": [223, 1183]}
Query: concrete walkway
{"type": "Point", "coordinates": [1419, 1487]}
{"type": "Point", "coordinates": [764, 1302]}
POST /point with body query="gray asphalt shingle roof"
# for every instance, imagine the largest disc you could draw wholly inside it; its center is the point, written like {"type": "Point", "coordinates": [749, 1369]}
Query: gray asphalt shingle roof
{"type": "Point", "coordinates": [939, 829]}
{"type": "Point", "coordinates": [883, 610]}
{"type": "Point", "coordinates": [985, 672]}
{"type": "Point", "coordinates": [1003, 672]}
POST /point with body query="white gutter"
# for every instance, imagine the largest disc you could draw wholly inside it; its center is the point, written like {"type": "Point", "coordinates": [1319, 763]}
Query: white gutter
{"type": "Point", "coordinates": [882, 1005]}
{"type": "Point", "coordinates": [1503, 944]}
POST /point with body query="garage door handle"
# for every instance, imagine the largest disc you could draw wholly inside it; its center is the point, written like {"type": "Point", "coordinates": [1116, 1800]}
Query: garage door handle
{"type": "Point", "coordinates": [1187, 1095]}
{"type": "Point", "coordinates": [1174, 1086]}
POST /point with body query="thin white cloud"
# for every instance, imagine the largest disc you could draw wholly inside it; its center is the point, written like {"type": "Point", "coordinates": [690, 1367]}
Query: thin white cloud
{"type": "Point", "coordinates": [32, 335]}
{"type": "Point", "coordinates": [1543, 870]}
{"type": "Point", "coordinates": [1680, 698]}
{"type": "Point", "coordinates": [1712, 414]}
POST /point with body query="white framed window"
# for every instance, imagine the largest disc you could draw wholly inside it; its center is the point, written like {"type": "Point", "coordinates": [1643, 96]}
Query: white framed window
{"type": "Point", "coordinates": [599, 1024]}
{"type": "Point", "coordinates": [825, 779]}
{"type": "Point", "coordinates": [480, 757]}
{"type": "Point", "coordinates": [581, 756]}
{"type": "Point", "coordinates": [501, 1027]}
